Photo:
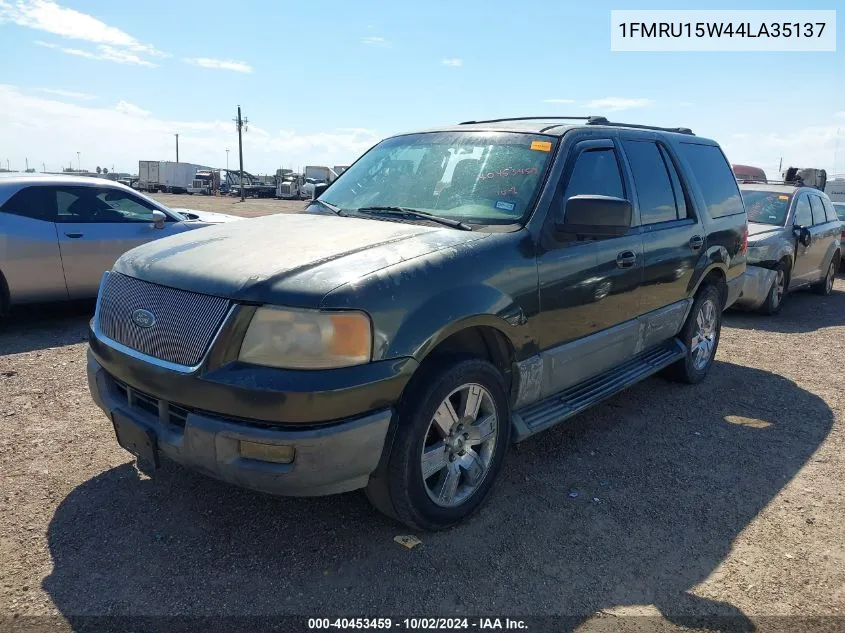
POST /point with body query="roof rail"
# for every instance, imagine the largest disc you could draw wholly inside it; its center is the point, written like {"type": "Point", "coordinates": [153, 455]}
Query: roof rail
{"type": "Point", "coordinates": [762, 181]}
{"type": "Point", "coordinates": [600, 120]}
{"type": "Point", "coordinates": [531, 118]}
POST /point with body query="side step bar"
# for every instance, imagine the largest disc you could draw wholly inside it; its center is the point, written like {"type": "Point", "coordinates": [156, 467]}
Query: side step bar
{"type": "Point", "coordinates": [561, 406]}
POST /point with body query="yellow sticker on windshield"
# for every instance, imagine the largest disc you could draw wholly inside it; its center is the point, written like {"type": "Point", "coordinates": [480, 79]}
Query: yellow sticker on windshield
{"type": "Point", "coordinates": [783, 197]}
{"type": "Point", "coordinates": [541, 146]}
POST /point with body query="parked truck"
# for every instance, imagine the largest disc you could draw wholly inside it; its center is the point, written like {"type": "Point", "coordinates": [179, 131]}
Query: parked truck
{"type": "Point", "coordinates": [288, 184]}
{"type": "Point", "coordinates": [167, 176]}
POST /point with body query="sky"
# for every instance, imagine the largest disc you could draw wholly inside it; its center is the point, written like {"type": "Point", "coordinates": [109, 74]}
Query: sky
{"type": "Point", "coordinates": [115, 81]}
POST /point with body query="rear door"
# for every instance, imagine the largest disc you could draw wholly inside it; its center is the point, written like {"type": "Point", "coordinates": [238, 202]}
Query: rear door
{"type": "Point", "coordinates": [96, 225]}
{"type": "Point", "coordinates": [807, 257]}
{"type": "Point", "coordinates": [824, 232]}
{"type": "Point", "coordinates": [673, 237]}
{"type": "Point", "coordinates": [29, 247]}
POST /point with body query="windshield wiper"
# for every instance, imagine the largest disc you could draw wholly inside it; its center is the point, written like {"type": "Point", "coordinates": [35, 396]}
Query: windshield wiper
{"type": "Point", "coordinates": [406, 211]}
{"type": "Point", "coordinates": [328, 205]}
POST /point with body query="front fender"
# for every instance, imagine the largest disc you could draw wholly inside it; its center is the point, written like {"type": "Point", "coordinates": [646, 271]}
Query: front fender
{"type": "Point", "coordinates": [456, 309]}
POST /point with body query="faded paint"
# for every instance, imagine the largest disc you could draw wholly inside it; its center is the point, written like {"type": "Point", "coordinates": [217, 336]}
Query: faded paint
{"type": "Point", "coordinates": [529, 381]}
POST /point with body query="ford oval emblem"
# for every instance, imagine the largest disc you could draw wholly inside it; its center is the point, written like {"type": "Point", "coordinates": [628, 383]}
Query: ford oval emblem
{"type": "Point", "coordinates": [143, 318]}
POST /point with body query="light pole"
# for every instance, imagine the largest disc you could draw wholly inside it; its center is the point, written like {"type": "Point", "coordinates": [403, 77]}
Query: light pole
{"type": "Point", "coordinates": [227, 159]}
{"type": "Point", "coordinates": [78, 162]}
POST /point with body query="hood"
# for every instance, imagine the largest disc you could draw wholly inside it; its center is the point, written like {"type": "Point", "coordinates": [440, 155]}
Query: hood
{"type": "Point", "coordinates": [209, 217]}
{"type": "Point", "coordinates": [287, 259]}
{"type": "Point", "coordinates": [758, 232]}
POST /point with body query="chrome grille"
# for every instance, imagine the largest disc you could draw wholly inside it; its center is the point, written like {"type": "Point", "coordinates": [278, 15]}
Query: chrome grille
{"type": "Point", "coordinates": [185, 322]}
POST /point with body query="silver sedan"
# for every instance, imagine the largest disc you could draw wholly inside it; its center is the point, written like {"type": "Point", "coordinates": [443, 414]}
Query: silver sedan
{"type": "Point", "coordinates": [58, 234]}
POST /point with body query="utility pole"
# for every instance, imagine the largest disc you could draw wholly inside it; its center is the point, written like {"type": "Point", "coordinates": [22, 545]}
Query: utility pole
{"type": "Point", "coordinates": [177, 148]}
{"type": "Point", "coordinates": [227, 159]}
{"type": "Point", "coordinates": [27, 163]}
{"type": "Point", "coordinates": [78, 162]}
{"type": "Point", "coordinates": [43, 168]}
{"type": "Point", "coordinates": [241, 123]}
{"type": "Point", "coordinates": [780, 166]}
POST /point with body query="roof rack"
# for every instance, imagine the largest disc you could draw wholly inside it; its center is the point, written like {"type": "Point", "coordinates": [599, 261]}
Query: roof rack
{"type": "Point", "coordinates": [529, 118]}
{"type": "Point", "coordinates": [600, 120]}
{"type": "Point", "coordinates": [590, 120]}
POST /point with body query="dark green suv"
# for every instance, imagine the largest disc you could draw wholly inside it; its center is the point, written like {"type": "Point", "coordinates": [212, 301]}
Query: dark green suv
{"type": "Point", "coordinates": [452, 292]}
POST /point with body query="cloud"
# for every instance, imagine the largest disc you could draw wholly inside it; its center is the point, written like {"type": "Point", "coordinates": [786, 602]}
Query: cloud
{"type": "Point", "coordinates": [615, 104]}
{"type": "Point", "coordinates": [840, 115]}
{"type": "Point", "coordinates": [105, 52]}
{"type": "Point", "coordinates": [131, 109]}
{"type": "Point", "coordinates": [220, 64]}
{"type": "Point", "coordinates": [558, 100]}
{"type": "Point", "coordinates": [376, 41]}
{"type": "Point", "coordinates": [50, 17]}
{"type": "Point", "coordinates": [53, 130]}
{"type": "Point", "coordinates": [812, 146]}
{"type": "Point", "coordinates": [452, 61]}
{"type": "Point", "coordinates": [70, 94]}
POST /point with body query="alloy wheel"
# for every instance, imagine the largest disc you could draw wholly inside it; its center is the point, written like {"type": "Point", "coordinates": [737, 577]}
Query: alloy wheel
{"type": "Point", "coordinates": [704, 339]}
{"type": "Point", "coordinates": [459, 445]}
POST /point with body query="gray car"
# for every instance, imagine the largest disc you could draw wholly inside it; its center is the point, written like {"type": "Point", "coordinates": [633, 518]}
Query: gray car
{"type": "Point", "coordinates": [794, 241]}
{"type": "Point", "coordinates": [58, 234]}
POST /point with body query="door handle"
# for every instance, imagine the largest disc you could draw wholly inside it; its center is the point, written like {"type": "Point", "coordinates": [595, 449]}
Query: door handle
{"type": "Point", "coordinates": [696, 242]}
{"type": "Point", "coordinates": [626, 259]}
{"type": "Point", "coordinates": [74, 235]}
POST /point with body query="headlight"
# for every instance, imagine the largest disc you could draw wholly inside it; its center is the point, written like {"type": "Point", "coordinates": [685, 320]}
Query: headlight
{"type": "Point", "coordinates": [757, 253]}
{"type": "Point", "coordinates": [306, 339]}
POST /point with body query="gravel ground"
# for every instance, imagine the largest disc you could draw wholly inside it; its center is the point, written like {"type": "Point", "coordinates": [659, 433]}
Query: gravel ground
{"type": "Point", "coordinates": [249, 208]}
{"type": "Point", "coordinates": [722, 499]}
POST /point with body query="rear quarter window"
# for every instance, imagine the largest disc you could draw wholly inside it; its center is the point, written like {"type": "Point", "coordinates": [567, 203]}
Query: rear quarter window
{"type": "Point", "coordinates": [712, 172]}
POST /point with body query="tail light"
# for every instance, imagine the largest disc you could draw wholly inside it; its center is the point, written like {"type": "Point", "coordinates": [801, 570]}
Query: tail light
{"type": "Point", "coordinates": [744, 248]}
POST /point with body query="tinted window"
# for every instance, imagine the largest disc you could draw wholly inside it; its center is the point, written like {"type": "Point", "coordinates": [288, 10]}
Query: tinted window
{"type": "Point", "coordinates": [803, 214]}
{"type": "Point", "coordinates": [680, 193]}
{"type": "Point", "coordinates": [714, 177]}
{"type": "Point", "coordinates": [839, 207]}
{"type": "Point", "coordinates": [596, 172]}
{"type": "Point", "coordinates": [32, 202]}
{"type": "Point", "coordinates": [818, 210]}
{"type": "Point", "coordinates": [766, 207]}
{"type": "Point", "coordinates": [651, 180]}
{"type": "Point", "coordinates": [94, 204]}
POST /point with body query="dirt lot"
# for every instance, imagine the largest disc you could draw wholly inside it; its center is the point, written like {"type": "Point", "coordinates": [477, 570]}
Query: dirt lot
{"type": "Point", "coordinates": [249, 208]}
{"type": "Point", "coordinates": [723, 499]}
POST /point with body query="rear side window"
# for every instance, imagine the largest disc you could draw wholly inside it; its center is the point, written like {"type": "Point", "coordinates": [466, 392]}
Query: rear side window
{"type": "Point", "coordinates": [596, 172]}
{"type": "Point", "coordinates": [818, 210]}
{"type": "Point", "coordinates": [714, 177]}
{"type": "Point", "coordinates": [803, 214]}
{"type": "Point", "coordinates": [32, 202]}
{"type": "Point", "coordinates": [829, 211]}
{"type": "Point", "coordinates": [654, 188]}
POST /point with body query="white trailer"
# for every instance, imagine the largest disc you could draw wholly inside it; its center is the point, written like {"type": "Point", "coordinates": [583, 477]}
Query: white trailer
{"type": "Point", "coordinates": [167, 176]}
{"type": "Point", "coordinates": [835, 189]}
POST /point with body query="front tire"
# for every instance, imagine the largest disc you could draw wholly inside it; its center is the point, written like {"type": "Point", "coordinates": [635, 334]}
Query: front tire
{"type": "Point", "coordinates": [700, 335]}
{"type": "Point", "coordinates": [452, 434]}
{"type": "Point", "coordinates": [777, 293]}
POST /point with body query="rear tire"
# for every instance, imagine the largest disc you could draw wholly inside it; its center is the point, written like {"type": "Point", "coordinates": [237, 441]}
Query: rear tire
{"type": "Point", "coordinates": [825, 286]}
{"type": "Point", "coordinates": [452, 434]}
{"type": "Point", "coordinates": [777, 293]}
{"type": "Point", "coordinates": [700, 335]}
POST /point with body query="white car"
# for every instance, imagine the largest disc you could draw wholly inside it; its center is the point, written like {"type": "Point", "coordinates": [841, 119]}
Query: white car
{"type": "Point", "coordinates": [58, 234]}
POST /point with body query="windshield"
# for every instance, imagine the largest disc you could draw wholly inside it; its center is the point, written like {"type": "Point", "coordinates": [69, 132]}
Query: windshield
{"type": "Point", "coordinates": [840, 210]}
{"type": "Point", "coordinates": [766, 207]}
{"type": "Point", "coordinates": [474, 177]}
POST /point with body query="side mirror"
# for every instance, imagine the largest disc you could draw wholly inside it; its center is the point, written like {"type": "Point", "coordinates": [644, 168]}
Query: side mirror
{"type": "Point", "coordinates": [318, 190]}
{"type": "Point", "coordinates": [158, 219]}
{"type": "Point", "coordinates": [803, 234]}
{"type": "Point", "coordinates": [596, 216]}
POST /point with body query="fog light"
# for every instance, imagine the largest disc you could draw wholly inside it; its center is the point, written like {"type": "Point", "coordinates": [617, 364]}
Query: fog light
{"type": "Point", "coordinates": [276, 453]}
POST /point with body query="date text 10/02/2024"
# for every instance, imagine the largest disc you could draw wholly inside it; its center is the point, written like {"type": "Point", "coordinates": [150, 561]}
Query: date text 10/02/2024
{"type": "Point", "coordinates": [418, 623]}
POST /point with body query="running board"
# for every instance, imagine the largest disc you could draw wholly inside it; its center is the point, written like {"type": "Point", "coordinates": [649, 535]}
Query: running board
{"type": "Point", "coordinates": [561, 406]}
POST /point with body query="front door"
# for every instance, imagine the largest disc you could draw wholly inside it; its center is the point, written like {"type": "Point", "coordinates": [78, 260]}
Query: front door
{"type": "Point", "coordinates": [673, 238]}
{"type": "Point", "coordinates": [587, 286]}
{"type": "Point", "coordinates": [96, 225]}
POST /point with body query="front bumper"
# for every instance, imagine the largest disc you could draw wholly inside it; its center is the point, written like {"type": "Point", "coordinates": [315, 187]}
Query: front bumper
{"type": "Point", "coordinates": [755, 288]}
{"type": "Point", "coordinates": [328, 458]}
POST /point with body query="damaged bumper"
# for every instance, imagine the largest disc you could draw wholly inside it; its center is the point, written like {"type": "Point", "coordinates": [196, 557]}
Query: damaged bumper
{"type": "Point", "coordinates": [755, 288]}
